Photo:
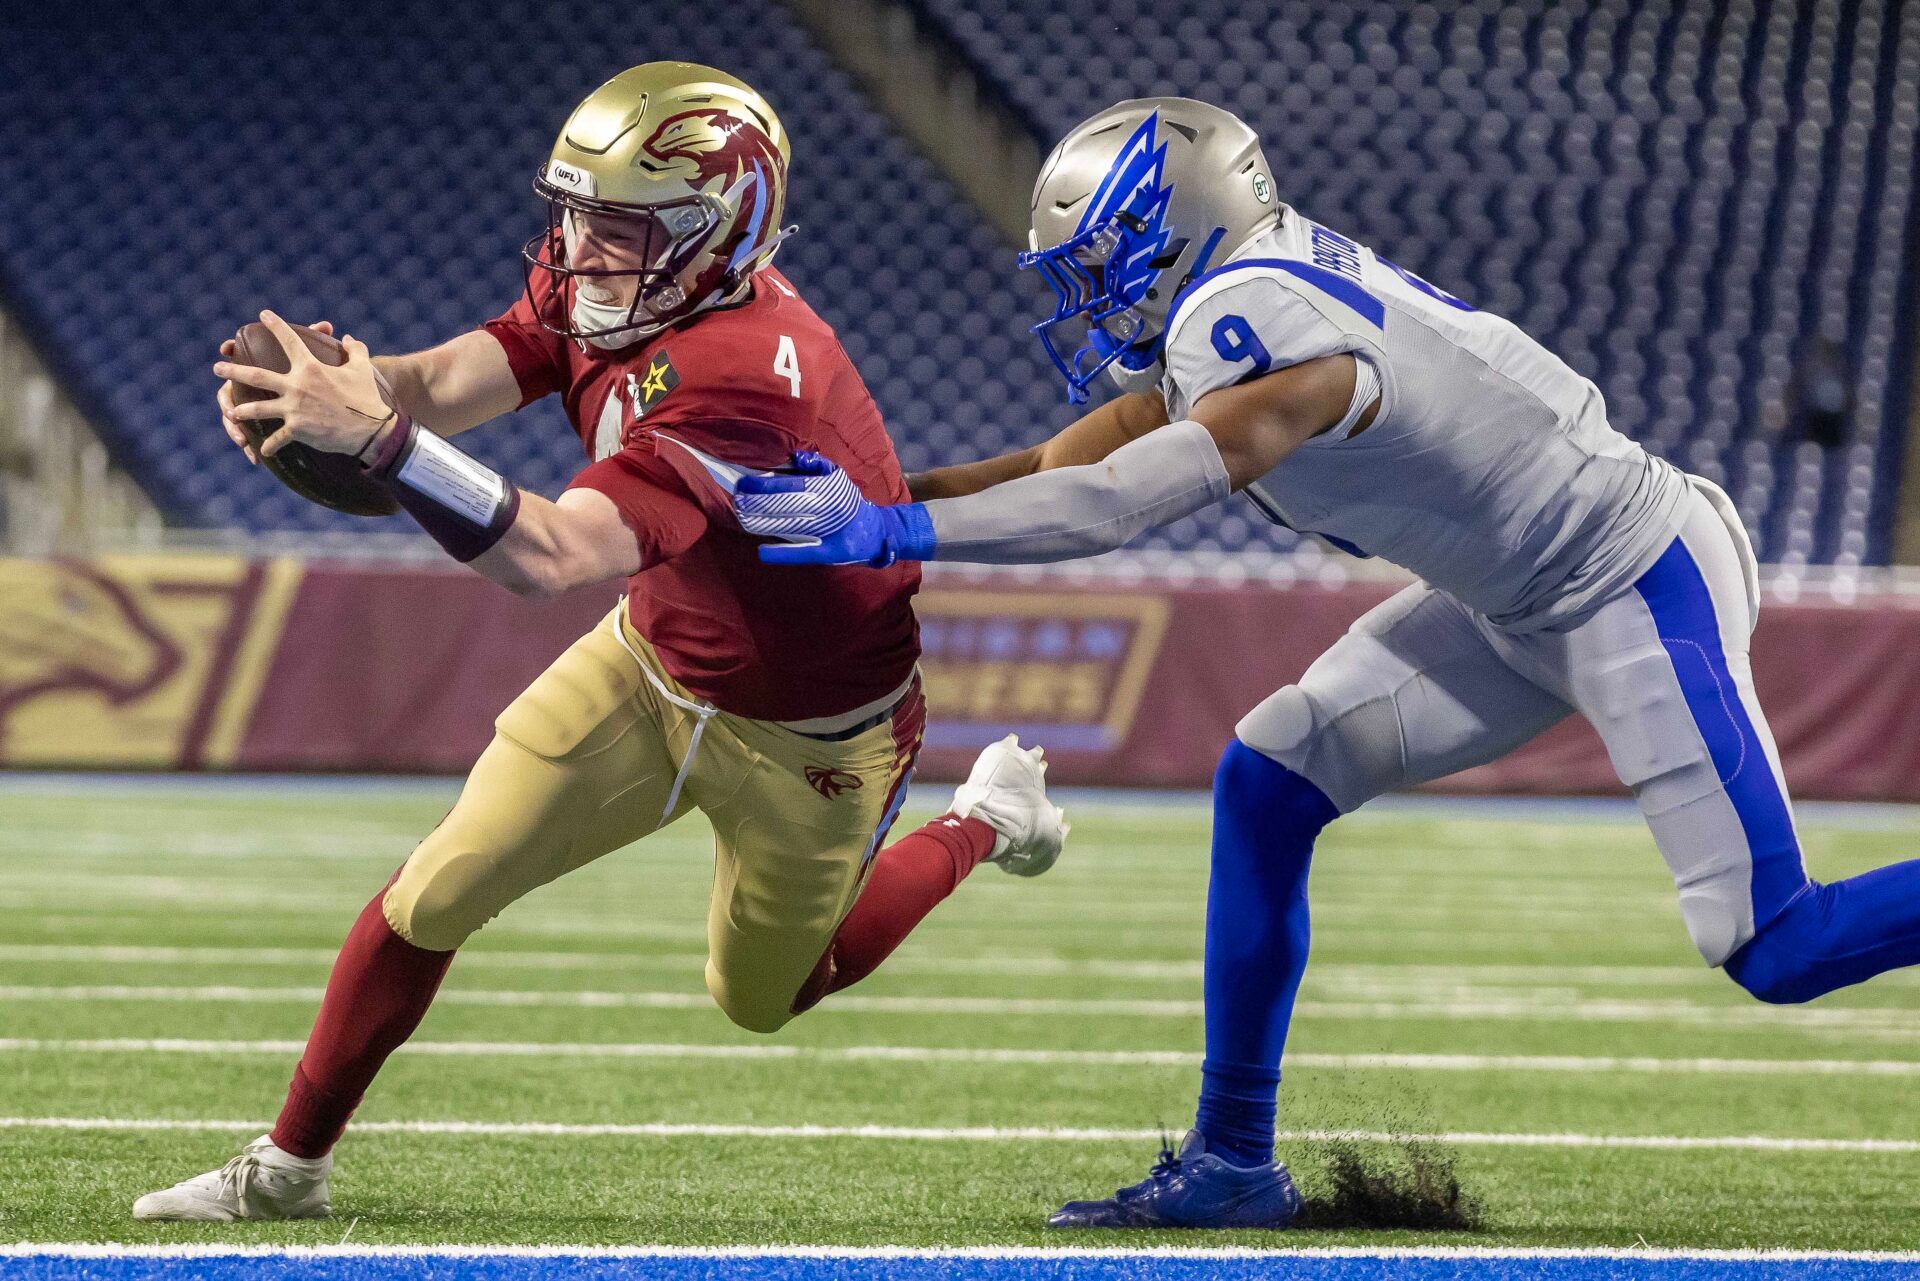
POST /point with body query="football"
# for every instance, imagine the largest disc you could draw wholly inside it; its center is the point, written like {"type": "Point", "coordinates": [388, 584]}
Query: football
{"type": "Point", "coordinates": [332, 480]}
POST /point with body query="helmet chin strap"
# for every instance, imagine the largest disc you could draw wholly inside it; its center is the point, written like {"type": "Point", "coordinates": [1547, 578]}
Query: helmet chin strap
{"type": "Point", "coordinates": [1135, 380]}
{"type": "Point", "coordinates": [1133, 368]}
{"type": "Point", "coordinates": [588, 316]}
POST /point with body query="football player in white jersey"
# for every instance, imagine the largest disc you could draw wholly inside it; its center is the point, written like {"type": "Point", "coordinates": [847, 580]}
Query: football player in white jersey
{"type": "Point", "coordinates": [1563, 570]}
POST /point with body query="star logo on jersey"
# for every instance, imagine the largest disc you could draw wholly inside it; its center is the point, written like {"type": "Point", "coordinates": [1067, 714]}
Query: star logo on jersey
{"type": "Point", "coordinates": [649, 389]}
{"type": "Point", "coordinates": [831, 782]}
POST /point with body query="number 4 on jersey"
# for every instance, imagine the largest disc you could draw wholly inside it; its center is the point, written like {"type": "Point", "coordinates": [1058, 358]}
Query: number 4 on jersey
{"type": "Point", "coordinates": [786, 363]}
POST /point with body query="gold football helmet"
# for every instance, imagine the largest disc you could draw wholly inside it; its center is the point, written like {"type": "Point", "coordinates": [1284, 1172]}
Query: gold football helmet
{"type": "Point", "coordinates": [685, 167]}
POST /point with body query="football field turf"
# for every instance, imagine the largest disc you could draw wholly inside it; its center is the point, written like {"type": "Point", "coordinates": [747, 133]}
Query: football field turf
{"type": "Point", "coordinates": [1511, 981]}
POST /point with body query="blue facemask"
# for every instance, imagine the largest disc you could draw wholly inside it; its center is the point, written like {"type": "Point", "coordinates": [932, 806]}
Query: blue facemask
{"type": "Point", "coordinates": [1101, 273]}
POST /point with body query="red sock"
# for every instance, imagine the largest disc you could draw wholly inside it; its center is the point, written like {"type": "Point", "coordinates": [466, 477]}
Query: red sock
{"type": "Point", "coordinates": [908, 879]}
{"type": "Point", "coordinates": [380, 990]}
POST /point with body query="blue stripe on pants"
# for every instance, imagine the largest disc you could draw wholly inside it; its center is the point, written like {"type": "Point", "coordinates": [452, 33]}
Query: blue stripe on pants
{"type": "Point", "coordinates": [1676, 595]}
{"type": "Point", "coordinates": [1809, 938]}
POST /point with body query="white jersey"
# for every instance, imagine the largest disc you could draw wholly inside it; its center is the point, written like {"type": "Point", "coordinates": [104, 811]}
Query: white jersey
{"type": "Point", "coordinates": [1489, 470]}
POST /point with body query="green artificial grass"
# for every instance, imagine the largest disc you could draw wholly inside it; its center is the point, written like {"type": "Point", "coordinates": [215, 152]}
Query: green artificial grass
{"type": "Point", "coordinates": [146, 913]}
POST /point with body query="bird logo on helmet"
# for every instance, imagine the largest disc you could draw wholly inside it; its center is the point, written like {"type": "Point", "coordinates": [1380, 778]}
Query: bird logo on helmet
{"type": "Point", "coordinates": [684, 168]}
{"type": "Point", "coordinates": [1133, 204]}
{"type": "Point", "coordinates": [709, 143]}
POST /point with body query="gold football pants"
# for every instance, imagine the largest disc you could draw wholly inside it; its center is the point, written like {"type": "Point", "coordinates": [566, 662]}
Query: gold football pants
{"type": "Point", "coordinates": [594, 756]}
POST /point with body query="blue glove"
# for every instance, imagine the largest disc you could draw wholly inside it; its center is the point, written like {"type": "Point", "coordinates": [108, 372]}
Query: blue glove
{"type": "Point", "coordinates": [822, 519]}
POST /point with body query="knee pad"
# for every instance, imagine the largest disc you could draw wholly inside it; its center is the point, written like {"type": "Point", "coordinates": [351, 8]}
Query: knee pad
{"type": "Point", "coordinates": [432, 906]}
{"type": "Point", "coordinates": [425, 921]}
{"type": "Point", "coordinates": [1349, 752]}
{"type": "Point", "coordinates": [748, 1006]}
{"type": "Point", "coordinates": [1248, 780]}
{"type": "Point", "coordinates": [1282, 725]}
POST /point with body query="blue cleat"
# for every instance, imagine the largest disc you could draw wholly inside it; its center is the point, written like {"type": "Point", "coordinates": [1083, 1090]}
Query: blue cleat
{"type": "Point", "coordinates": [1192, 1189]}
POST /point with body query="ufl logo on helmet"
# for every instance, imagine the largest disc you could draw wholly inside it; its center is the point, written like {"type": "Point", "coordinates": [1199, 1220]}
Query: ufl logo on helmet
{"type": "Point", "coordinates": [831, 782]}
{"type": "Point", "coordinates": [575, 180]}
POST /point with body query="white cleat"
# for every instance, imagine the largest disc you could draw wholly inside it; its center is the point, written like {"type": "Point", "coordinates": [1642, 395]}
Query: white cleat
{"type": "Point", "coordinates": [1007, 791]}
{"type": "Point", "coordinates": [261, 1183]}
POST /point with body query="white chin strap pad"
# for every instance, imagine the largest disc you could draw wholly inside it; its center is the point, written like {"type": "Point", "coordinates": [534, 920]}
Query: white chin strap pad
{"type": "Point", "coordinates": [589, 316]}
{"type": "Point", "coordinates": [1135, 380]}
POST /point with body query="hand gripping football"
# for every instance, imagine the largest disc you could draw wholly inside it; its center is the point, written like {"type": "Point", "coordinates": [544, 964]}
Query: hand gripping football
{"type": "Point", "coordinates": [332, 480]}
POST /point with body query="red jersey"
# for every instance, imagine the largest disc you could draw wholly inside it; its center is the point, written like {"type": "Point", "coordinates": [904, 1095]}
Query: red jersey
{"type": "Point", "coordinates": [662, 420]}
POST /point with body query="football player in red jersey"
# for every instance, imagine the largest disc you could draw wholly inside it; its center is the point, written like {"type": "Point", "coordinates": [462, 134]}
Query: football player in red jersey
{"type": "Point", "coordinates": [785, 706]}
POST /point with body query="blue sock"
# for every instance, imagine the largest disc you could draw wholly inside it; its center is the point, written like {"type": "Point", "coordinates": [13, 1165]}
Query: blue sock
{"type": "Point", "coordinates": [1830, 936]}
{"type": "Point", "coordinates": [1265, 819]}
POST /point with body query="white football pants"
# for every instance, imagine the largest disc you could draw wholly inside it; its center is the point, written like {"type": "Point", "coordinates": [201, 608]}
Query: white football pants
{"type": "Point", "coordinates": [1421, 687]}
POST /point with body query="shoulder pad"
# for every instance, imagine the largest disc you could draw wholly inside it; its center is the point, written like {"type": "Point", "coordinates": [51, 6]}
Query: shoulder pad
{"type": "Point", "coordinates": [1262, 314]}
{"type": "Point", "coordinates": [757, 366]}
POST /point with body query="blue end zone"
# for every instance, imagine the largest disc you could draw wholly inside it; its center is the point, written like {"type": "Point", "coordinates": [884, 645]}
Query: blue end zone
{"type": "Point", "coordinates": [1033, 1266]}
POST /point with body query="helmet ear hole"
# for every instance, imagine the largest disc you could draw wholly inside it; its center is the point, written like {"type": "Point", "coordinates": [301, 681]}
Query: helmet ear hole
{"type": "Point", "coordinates": [1171, 256]}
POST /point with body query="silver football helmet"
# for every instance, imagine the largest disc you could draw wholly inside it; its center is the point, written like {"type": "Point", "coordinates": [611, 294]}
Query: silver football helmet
{"type": "Point", "coordinates": [1135, 203]}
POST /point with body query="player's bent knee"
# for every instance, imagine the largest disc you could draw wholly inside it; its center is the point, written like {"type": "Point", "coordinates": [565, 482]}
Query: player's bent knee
{"type": "Point", "coordinates": [754, 1007]}
{"type": "Point", "coordinates": [432, 905]}
{"type": "Point", "coordinates": [1282, 725]}
{"type": "Point", "coordinates": [1785, 963]}
{"type": "Point", "coordinates": [426, 920]}
{"type": "Point", "coordinates": [1771, 975]}
{"type": "Point", "coordinates": [1246, 776]}
{"type": "Point", "coordinates": [1350, 753]}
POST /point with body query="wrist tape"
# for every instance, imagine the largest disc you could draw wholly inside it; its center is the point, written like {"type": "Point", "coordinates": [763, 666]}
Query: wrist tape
{"type": "Point", "coordinates": [463, 504]}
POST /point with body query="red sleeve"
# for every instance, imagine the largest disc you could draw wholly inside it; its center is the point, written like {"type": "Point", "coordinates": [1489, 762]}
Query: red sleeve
{"type": "Point", "coordinates": [538, 355]}
{"type": "Point", "coordinates": [652, 499]}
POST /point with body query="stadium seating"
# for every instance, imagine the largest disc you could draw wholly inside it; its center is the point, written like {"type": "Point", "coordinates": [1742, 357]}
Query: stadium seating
{"type": "Point", "coordinates": [186, 164]}
{"type": "Point", "coordinates": [1632, 182]}
{"type": "Point", "coordinates": [1678, 197]}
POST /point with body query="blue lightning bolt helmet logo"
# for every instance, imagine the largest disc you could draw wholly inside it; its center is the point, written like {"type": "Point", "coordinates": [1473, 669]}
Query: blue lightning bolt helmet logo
{"type": "Point", "coordinates": [1101, 272]}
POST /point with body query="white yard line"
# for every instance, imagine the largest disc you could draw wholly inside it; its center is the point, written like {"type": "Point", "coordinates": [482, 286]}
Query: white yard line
{"type": "Point", "coordinates": [198, 1250]}
{"type": "Point", "coordinates": [979, 1134]}
{"type": "Point", "coordinates": [1084, 928]}
{"type": "Point", "coordinates": [1368, 976]}
{"type": "Point", "coordinates": [1172, 901]}
{"type": "Point", "coordinates": [628, 1050]}
{"type": "Point", "coordinates": [221, 993]}
{"type": "Point", "coordinates": [323, 957]}
{"type": "Point", "coordinates": [1604, 1063]}
{"type": "Point", "coordinates": [1541, 1006]}
{"type": "Point", "coordinates": [967, 1054]}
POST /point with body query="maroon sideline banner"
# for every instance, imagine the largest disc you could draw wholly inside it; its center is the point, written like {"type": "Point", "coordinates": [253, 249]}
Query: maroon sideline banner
{"type": "Point", "coordinates": [219, 662]}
